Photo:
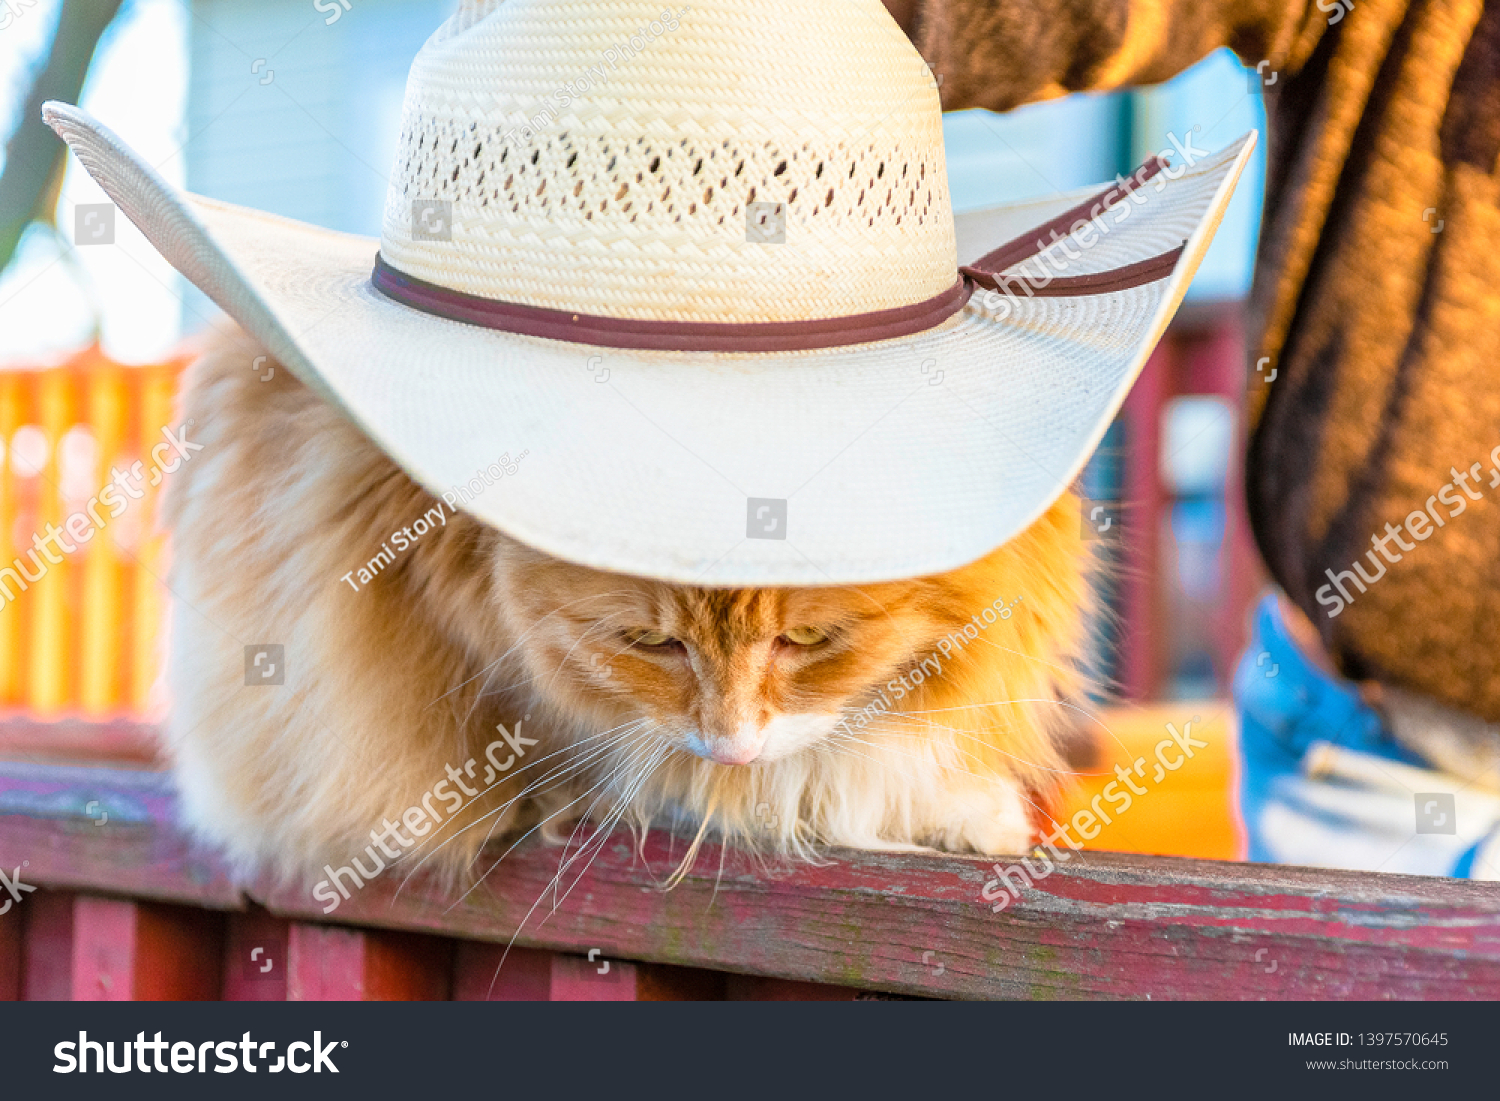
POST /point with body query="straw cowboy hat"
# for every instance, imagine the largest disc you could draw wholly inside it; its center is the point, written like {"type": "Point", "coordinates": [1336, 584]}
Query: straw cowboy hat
{"type": "Point", "coordinates": [699, 263]}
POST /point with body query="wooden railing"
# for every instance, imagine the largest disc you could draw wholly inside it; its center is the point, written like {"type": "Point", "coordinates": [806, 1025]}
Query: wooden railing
{"type": "Point", "coordinates": [131, 909]}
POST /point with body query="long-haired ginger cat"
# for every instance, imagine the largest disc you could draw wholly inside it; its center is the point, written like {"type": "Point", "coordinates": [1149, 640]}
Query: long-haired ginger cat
{"type": "Point", "coordinates": [455, 685]}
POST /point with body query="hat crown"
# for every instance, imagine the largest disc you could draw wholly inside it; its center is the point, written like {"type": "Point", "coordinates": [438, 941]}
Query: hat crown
{"type": "Point", "coordinates": [728, 160]}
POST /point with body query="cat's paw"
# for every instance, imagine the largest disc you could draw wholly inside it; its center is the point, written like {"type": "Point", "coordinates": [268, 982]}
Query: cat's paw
{"type": "Point", "coordinates": [992, 825]}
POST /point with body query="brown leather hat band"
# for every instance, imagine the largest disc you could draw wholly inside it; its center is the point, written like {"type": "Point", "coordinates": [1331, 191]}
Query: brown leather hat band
{"type": "Point", "coordinates": [792, 336]}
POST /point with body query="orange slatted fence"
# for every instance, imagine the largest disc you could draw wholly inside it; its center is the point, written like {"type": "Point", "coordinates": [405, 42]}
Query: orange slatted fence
{"type": "Point", "coordinates": [78, 628]}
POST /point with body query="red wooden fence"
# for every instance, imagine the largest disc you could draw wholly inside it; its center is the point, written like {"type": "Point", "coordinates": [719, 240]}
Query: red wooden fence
{"type": "Point", "coordinates": [129, 908]}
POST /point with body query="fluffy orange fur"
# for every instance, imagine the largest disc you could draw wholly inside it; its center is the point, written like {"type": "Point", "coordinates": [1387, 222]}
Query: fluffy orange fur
{"type": "Point", "coordinates": [865, 733]}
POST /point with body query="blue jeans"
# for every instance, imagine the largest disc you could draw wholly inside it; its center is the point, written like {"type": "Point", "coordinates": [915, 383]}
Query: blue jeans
{"type": "Point", "coordinates": [1323, 783]}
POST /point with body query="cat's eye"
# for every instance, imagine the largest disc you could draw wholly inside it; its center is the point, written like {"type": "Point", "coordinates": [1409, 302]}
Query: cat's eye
{"type": "Point", "coordinates": [805, 636]}
{"type": "Point", "coordinates": [649, 638]}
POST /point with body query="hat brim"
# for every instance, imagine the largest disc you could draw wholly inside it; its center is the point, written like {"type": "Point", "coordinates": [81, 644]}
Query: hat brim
{"type": "Point", "coordinates": [893, 459]}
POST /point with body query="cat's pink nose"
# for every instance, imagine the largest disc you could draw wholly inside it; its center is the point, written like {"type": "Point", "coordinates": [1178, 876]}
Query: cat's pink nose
{"type": "Point", "coordinates": [734, 754]}
{"type": "Point", "coordinates": [739, 748]}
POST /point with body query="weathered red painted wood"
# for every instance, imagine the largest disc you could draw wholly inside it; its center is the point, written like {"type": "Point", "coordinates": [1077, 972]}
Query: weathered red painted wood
{"type": "Point", "coordinates": [577, 979]}
{"type": "Point", "coordinates": [478, 974]}
{"type": "Point", "coordinates": [103, 949]}
{"type": "Point", "coordinates": [485, 972]}
{"type": "Point", "coordinates": [118, 741]}
{"type": "Point", "coordinates": [255, 957]}
{"type": "Point", "coordinates": [106, 830]}
{"type": "Point", "coordinates": [47, 966]}
{"type": "Point", "coordinates": [144, 951]}
{"type": "Point", "coordinates": [1113, 926]}
{"type": "Point", "coordinates": [12, 947]}
{"type": "Point", "coordinates": [328, 963]}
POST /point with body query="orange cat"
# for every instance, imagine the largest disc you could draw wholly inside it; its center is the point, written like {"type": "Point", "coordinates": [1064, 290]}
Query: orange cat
{"type": "Point", "coordinates": [440, 683]}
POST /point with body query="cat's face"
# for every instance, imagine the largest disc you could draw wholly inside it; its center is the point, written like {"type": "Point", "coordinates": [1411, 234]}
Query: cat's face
{"type": "Point", "coordinates": [730, 675]}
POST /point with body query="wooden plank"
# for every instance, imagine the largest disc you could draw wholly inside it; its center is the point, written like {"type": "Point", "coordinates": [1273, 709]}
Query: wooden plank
{"type": "Point", "coordinates": [47, 968]}
{"type": "Point", "coordinates": [112, 741]}
{"type": "Point", "coordinates": [480, 976]}
{"type": "Point", "coordinates": [1098, 926]}
{"type": "Point", "coordinates": [328, 963]}
{"type": "Point", "coordinates": [255, 959]}
{"type": "Point", "coordinates": [485, 972]}
{"type": "Point", "coordinates": [12, 949]}
{"type": "Point", "coordinates": [106, 831]}
{"type": "Point", "coordinates": [143, 951]}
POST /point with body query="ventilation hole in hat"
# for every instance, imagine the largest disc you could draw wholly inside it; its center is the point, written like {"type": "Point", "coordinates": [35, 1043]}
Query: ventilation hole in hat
{"type": "Point", "coordinates": [713, 180]}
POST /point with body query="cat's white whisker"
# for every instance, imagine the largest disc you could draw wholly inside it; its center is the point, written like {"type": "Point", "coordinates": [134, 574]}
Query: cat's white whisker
{"type": "Point", "coordinates": [539, 825]}
{"type": "Point", "coordinates": [618, 769]}
{"type": "Point", "coordinates": [607, 828]}
{"type": "Point", "coordinates": [559, 773]}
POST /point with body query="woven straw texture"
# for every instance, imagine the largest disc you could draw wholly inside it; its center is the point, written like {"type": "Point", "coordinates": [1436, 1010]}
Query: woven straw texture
{"type": "Point", "coordinates": [727, 161]}
{"type": "Point", "coordinates": [886, 460]}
